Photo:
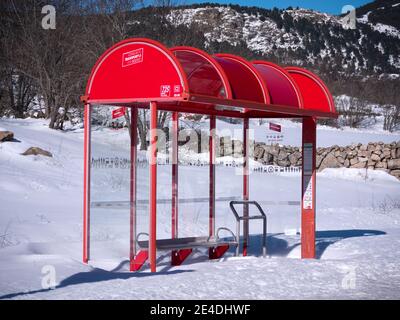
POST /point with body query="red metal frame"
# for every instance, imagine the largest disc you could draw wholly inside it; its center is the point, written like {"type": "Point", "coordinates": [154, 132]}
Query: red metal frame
{"type": "Point", "coordinates": [139, 260]}
{"type": "Point", "coordinates": [86, 183]}
{"type": "Point", "coordinates": [174, 144]}
{"type": "Point", "coordinates": [234, 108]}
{"type": "Point", "coordinates": [178, 256]}
{"type": "Point", "coordinates": [212, 176]}
{"type": "Point", "coordinates": [218, 252]}
{"type": "Point", "coordinates": [308, 176]}
{"type": "Point", "coordinates": [246, 190]}
{"type": "Point", "coordinates": [133, 124]}
{"type": "Point", "coordinates": [142, 73]}
{"type": "Point", "coordinates": [256, 106]}
{"type": "Point", "coordinates": [153, 186]}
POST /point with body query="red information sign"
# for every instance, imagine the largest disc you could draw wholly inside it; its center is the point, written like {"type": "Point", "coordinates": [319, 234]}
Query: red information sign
{"type": "Point", "coordinates": [132, 57]}
{"type": "Point", "coordinates": [118, 112]}
{"type": "Point", "coordinates": [275, 127]}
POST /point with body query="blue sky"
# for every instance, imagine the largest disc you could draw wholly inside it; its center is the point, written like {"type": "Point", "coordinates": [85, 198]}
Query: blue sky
{"type": "Point", "coordinates": [330, 6]}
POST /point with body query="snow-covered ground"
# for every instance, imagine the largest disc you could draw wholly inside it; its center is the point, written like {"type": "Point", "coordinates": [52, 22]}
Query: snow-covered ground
{"type": "Point", "coordinates": [358, 225]}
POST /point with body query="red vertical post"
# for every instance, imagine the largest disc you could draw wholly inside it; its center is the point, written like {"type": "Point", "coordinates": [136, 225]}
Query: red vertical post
{"type": "Point", "coordinates": [177, 256]}
{"type": "Point", "coordinates": [133, 124]}
{"type": "Point", "coordinates": [174, 142]}
{"type": "Point", "coordinates": [308, 202]}
{"type": "Point", "coordinates": [153, 186]}
{"type": "Point", "coordinates": [86, 182]}
{"type": "Point", "coordinates": [245, 183]}
{"type": "Point", "coordinates": [212, 176]}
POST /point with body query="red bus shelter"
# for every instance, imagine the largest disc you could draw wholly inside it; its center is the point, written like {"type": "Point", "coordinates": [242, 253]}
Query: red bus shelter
{"type": "Point", "coordinates": [142, 73]}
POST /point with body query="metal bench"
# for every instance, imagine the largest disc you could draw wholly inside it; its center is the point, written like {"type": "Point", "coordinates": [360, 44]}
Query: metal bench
{"type": "Point", "coordinates": [189, 242]}
{"type": "Point", "coordinates": [216, 241]}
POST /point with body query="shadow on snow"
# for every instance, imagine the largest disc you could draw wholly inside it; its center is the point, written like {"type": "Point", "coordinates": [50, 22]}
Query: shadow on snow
{"type": "Point", "coordinates": [276, 246]}
{"type": "Point", "coordinates": [93, 276]}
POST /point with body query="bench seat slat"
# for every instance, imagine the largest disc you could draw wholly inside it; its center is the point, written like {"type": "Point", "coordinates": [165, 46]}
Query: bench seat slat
{"type": "Point", "coordinates": [186, 243]}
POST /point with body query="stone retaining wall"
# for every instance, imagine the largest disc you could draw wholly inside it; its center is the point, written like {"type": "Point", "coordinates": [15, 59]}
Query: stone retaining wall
{"type": "Point", "coordinates": [374, 156]}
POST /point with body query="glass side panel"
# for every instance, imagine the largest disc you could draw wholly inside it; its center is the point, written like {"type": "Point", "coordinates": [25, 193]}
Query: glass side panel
{"type": "Point", "coordinates": [193, 177]}
{"type": "Point", "coordinates": [110, 185]}
{"type": "Point", "coordinates": [228, 172]}
{"type": "Point", "coordinates": [277, 188]}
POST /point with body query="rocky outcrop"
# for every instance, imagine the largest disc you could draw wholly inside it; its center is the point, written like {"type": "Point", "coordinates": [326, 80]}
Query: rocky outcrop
{"type": "Point", "coordinates": [6, 136]}
{"type": "Point", "coordinates": [36, 151]}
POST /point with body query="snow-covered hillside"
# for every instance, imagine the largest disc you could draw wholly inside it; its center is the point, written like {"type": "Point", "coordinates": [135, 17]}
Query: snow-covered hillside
{"type": "Point", "coordinates": [298, 36]}
{"type": "Point", "coordinates": [358, 224]}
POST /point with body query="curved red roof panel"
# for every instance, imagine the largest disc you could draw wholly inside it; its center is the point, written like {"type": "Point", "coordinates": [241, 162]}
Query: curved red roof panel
{"type": "Point", "coordinates": [205, 76]}
{"type": "Point", "coordinates": [137, 71]}
{"type": "Point", "coordinates": [282, 88]}
{"type": "Point", "coordinates": [136, 68]}
{"type": "Point", "coordinates": [246, 82]}
{"type": "Point", "coordinates": [315, 93]}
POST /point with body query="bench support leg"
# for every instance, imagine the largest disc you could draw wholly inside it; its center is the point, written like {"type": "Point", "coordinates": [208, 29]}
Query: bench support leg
{"type": "Point", "coordinates": [178, 256]}
{"type": "Point", "coordinates": [138, 261]}
{"type": "Point", "coordinates": [217, 252]}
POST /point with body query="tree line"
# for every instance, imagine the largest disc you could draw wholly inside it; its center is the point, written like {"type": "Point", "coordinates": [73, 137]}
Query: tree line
{"type": "Point", "coordinates": [50, 67]}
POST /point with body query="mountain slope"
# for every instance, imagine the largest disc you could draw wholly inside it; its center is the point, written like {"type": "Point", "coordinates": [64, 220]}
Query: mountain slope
{"type": "Point", "coordinates": [363, 63]}
{"type": "Point", "coordinates": [301, 37]}
{"type": "Point", "coordinates": [385, 12]}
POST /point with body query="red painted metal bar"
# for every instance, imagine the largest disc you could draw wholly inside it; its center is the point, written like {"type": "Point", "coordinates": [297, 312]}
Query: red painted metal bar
{"type": "Point", "coordinates": [86, 184]}
{"type": "Point", "coordinates": [178, 256]}
{"type": "Point", "coordinates": [153, 186]}
{"type": "Point", "coordinates": [210, 109]}
{"type": "Point", "coordinates": [139, 260]}
{"type": "Point", "coordinates": [218, 252]}
{"type": "Point", "coordinates": [132, 246]}
{"type": "Point", "coordinates": [174, 143]}
{"type": "Point", "coordinates": [197, 108]}
{"type": "Point", "coordinates": [212, 176]}
{"type": "Point", "coordinates": [245, 183]}
{"type": "Point", "coordinates": [308, 188]}
{"type": "Point", "coordinates": [251, 105]}
{"type": "Point", "coordinates": [128, 101]}
{"type": "Point", "coordinates": [167, 103]}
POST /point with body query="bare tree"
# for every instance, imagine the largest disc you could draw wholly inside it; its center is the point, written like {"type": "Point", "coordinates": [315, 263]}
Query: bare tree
{"type": "Point", "coordinates": [391, 117]}
{"type": "Point", "coordinates": [106, 22]}
{"type": "Point", "coordinates": [385, 93]}
{"type": "Point", "coordinates": [391, 109]}
{"type": "Point", "coordinates": [17, 89]}
{"type": "Point", "coordinates": [166, 3]}
{"type": "Point", "coordinates": [143, 127]}
{"type": "Point", "coordinates": [355, 110]}
{"type": "Point", "coordinates": [50, 58]}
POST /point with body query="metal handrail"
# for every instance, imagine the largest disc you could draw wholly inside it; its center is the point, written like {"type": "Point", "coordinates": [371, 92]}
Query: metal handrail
{"type": "Point", "coordinates": [238, 218]}
{"type": "Point", "coordinates": [235, 239]}
{"type": "Point", "coordinates": [141, 234]}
